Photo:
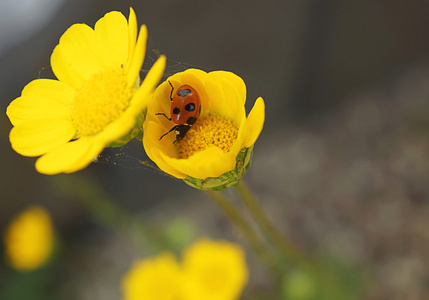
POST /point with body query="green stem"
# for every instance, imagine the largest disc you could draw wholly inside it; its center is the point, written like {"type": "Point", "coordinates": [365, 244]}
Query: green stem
{"type": "Point", "coordinates": [291, 251]}
{"type": "Point", "coordinates": [242, 225]}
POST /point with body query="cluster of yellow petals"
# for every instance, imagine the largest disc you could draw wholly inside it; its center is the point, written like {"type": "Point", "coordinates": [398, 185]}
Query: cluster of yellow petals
{"type": "Point", "coordinates": [96, 100]}
{"type": "Point", "coordinates": [210, 270]}
{"type": "Point", "coordinates": [211, 146]}
{"type": "Point", "coordinates": [29, 239]}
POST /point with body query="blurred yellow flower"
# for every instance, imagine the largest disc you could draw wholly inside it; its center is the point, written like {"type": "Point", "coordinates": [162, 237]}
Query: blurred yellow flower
{"type": "Point", "coordinates": [97, 100]}
{"type": "Point", "coordinates": [29, 239]}
{"type": "Point", "coordinates": [153, 279]}
{"type": "Point", "coordinates": [211, 270]}
{"type": "Point", "coordinates": [214, 270]}
{"type": "Point", "coordinates": [217, 149]}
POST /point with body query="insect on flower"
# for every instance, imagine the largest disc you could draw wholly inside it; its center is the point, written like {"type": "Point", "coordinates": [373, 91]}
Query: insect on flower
{"type": "Point", "coordinates": [216, 150]}
{"type": "Point", "coordinates": [185, 110]}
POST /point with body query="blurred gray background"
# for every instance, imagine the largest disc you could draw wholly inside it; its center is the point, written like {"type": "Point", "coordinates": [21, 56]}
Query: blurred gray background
{"type": "Point", "coordinates": [342, 164]}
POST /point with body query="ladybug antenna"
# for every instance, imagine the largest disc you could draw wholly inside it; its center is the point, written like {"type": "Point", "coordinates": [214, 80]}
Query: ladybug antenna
{"type": "Point", "coordinates": [172, 89]}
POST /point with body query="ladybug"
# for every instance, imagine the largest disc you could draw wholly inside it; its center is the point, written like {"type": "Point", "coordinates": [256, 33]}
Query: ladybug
{"type": "Point", "coordinates": [185, 110]}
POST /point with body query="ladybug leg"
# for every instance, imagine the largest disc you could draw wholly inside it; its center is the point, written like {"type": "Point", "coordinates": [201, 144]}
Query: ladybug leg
{"type": "Point", "coordinates": [172, 129]}
{"type": "Point", "coordinates": [162, 114]}
{"type": "Point", "coordinates": [171, 93]}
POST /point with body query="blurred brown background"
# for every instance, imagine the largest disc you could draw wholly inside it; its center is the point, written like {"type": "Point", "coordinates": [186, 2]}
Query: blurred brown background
{"type": "Point", "coordinates": [341, 165]}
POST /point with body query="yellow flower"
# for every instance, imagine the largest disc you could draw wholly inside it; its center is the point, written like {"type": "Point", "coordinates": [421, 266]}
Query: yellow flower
{"type": "Point", "coordinates": [214, 270]}
{"type": "Point", "coordinates": [211, 270]}
{"type": "Point", "coordinates": [29, 239]}
{"type": "Point", "coordinates": [217, 149]}
{"type": "Point", "coordinates": [96, 101]}
{"type": "Point", "coordinates": [153, 279]}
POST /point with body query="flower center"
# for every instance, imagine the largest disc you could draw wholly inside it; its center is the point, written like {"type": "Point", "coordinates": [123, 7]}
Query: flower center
{"type": "Point", "coordinates": [99, 101]}
{"type": "Point", "coordinates": [209, 130]}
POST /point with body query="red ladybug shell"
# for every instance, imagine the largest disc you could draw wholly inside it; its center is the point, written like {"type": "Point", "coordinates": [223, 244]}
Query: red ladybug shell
{"type": "Point", "coordinates": [185, 106]}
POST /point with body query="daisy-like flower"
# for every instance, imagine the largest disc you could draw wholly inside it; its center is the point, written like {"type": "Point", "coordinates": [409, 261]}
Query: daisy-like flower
{"type": "Point", "coordinates": [97, 100]}
{"type": "Point", "coordinates": [210, 270]}
{"type": "Point", "coordinates": [29, 239]}
{"type": "Point", "coordinates": [158, 278]}
{"type": "Point", "coordinates": [214, 270]}
{"type": "Point", "coordinates": [216, 151]}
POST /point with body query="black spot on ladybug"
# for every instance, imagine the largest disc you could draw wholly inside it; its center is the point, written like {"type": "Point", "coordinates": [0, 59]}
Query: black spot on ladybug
{"type": "Point", "coordinates": [191, 120]}
{"type": "Point", "coordinates": [190, 107]}
{"type": "Point", "coordinates": [183, 92]}
{"type": "Point", "coordinates": [176, 111]}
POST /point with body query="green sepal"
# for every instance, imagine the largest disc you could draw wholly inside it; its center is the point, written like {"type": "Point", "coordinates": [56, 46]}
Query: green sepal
{"type": "Point", "coordinates": [137, 131]}
{"type": "Point", "coordinates": [228, 179]}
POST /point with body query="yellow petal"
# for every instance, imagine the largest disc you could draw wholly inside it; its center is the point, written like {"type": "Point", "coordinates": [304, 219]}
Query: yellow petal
{"type": "Point", "coordinates": [157, 157]}
{"type": "Point", "coordinates": [153, 147]}
{"type": "Point", "coordinates": [24, 109]}
{"type": "Point", "coordinates": [238, 143]}
{"type": "Point", "coordinates": [75, 58]}
{"type": "Point", "coordinates": [117, 129]}
{"type": "Point", "coordinates": [218, 102]}
{"type": "Point", "coordinates": [111, 35]}
{"type": "Point", "coordinates": [36, 137]}
{"type": "Point", "coordinates": [41, 99]}
{"type": "Point", "coordinates": [190, 75]}
{"type": "Point", "coordinates": [52, 89]}
{"type": "Point", "coordinates": [69, 157]}
{"type": "Point", "coordinates": [255, 122]}
{"type": "Point", "coordinates": [235, 80]}
{"type": "Point", "coordinates": [160, 103]}
{"type": "Point", "coordinates": [138, 57]}
{"type": "Point", "coordinates": [144, 94]}
{"type": "Point", "coordinates": [210, 162]}
{"type": "Point", "coordinates": [132, 33]}
{"type": "Point", "coordinates": [233, 101]}
{"type": "Point", "coordinates": [153, 131]}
